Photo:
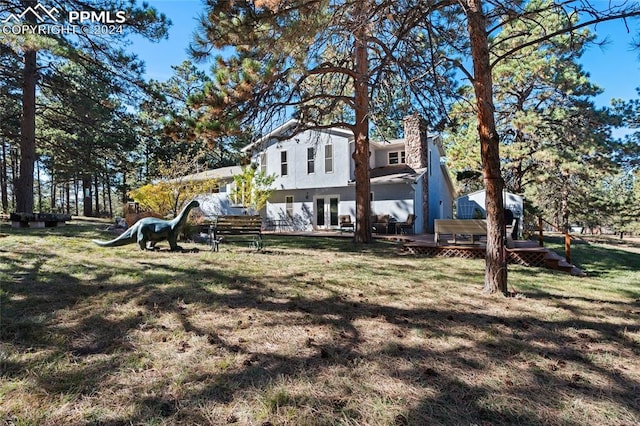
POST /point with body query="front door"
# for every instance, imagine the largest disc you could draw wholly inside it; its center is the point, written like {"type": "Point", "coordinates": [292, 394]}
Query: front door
{"type": "Point", "coordinates": [326, 211]}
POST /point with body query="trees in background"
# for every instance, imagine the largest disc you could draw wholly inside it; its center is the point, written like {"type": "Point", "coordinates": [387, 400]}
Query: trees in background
{"type": "Point", "coordinates": [552, 136]}
{"type": "Point", "coordinates": [84, 130]}
{"type": "Point", "coordinates": [177, 186]}
{"type": "Point", "coordinates": [357, 65]}
{"type": "Point", "coordinates": [486, 21]}
{"type": "Point", "coordinates": [100, 52]}
{"type": "Point", "coordinates": [171, 125]}
{"type": "Point", "coordinates": [10, 110]}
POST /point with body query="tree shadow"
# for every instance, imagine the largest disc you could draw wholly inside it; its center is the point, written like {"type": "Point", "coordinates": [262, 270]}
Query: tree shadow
{"type": "Point", "coordinates": [436, 351]}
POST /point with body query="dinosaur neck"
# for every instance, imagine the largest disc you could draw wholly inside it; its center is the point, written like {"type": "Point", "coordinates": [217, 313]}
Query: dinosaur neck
{"type": "Point", "coordinates": [182, 216]}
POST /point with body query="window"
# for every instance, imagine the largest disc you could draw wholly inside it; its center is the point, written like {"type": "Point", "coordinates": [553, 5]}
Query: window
{"type": "Point", "coordinates": [263, 163]}
{"type": "Point", "coordinates": [328, 158]}
{"type": "Point", "coordinates": [396, 157]}
{"type": "Point", "coordinates": [284, 170]}
{"type": "Point", "coordinates": [288, 201]}
{"type": "Point", "coordinates": [311, 160]}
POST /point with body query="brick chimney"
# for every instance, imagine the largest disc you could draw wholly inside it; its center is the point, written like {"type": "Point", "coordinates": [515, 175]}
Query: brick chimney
{"type": "Point", "coordinates": [415, 147]}
{"type": "Point", "coordinates": [415, 135]}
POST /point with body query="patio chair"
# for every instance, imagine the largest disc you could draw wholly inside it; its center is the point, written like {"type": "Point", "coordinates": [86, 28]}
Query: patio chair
{"type": "Point", "coordinates": [407, 226]}
{"type": "Point", "coordinates": [345, 223]}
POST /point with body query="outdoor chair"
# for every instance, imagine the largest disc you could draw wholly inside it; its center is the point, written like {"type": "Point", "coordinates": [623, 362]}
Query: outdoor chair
{"type": "Point", "coordinates": [345, 223]}
{"type": "Point", "coordinates": [407, 226]}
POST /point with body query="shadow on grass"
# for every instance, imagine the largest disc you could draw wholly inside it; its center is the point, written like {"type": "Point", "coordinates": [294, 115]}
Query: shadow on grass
{"type": "Point", "coordinates": [95, 342]}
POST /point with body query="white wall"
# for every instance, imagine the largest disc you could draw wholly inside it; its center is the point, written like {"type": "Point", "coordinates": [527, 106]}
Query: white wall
{"type": "Point", "coordinates": [218, 204]}
{"type": "Point", "coordinates": [296, 149]}
{"type": "Point", "coordinates": [440, 196]}
{"type": "Point", "coordinates": [395, 200]}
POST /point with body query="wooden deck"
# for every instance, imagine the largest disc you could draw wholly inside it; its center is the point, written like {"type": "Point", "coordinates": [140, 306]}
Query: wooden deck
{"type": "Point", "coordinates": [521, 252]}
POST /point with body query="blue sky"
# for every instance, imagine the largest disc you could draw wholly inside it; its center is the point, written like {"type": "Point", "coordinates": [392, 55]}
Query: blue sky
{"type": "Point", "coordinates": [614, 67]}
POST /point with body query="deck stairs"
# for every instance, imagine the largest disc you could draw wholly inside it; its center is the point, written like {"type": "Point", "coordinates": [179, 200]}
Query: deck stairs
{"type": "Point", "coordinates": [554, 261]}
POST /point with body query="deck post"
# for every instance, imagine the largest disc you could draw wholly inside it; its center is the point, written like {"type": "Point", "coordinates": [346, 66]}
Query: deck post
{"type": "Point", "coordinates": [540, 238]}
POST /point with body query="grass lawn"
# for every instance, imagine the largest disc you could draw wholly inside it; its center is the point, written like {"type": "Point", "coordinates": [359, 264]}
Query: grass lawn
{"type": "Point", "coordinates": [311, 331]}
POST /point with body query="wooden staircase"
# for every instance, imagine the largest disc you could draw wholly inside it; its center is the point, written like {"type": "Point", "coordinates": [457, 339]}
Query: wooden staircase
{"type": "Point", "coordinates": [554, 261]}
{"type": "Point", "coordinates": [526, 253]}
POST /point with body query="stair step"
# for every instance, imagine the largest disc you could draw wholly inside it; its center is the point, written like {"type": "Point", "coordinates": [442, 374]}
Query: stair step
{"type": "Point", "coordinates": [577, 272]}
{"type": "Point", "coordinates": [552, 255]}
{"type": "Point", "coordinates": [564, 264]}
{"type": "Point", "coordinates": [554, 261]}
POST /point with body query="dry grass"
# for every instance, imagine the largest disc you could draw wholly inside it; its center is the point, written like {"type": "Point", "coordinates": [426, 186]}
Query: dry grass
{"type": "Point", "coordinates": [308, 332]}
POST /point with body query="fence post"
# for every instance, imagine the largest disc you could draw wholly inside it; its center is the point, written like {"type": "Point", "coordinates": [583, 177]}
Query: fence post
{"type": "Point", "coordinates": [540, 239]}
{"type": "Point", "coordinates": [567, 246]}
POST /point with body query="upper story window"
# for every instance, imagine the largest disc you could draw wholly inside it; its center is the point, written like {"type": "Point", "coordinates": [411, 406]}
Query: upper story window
{"type": "Point", "coordinates": [263, 163]}
{"type": "Point", "coordinates": [284, 165]}
{"type": "Point", "coordinates": [328, 158]}
{"type": "Point", "coordinates": [311, 160]}
{"type": "Point", "coordinates": [396, 157]}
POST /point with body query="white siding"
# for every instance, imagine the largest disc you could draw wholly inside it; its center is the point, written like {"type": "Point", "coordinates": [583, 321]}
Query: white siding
{"type": "Point", "coordinates": [296, 148]}
{"type": "Point", "coordinates": [440, 195]}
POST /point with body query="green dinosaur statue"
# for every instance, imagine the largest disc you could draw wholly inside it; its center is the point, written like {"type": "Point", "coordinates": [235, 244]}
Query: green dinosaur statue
{"type": "Point", "coordinates": [151, 230]}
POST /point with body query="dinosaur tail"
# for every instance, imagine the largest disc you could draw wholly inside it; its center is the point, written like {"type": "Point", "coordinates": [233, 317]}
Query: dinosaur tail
{"type": "Point", "coordinates": [125, 238]}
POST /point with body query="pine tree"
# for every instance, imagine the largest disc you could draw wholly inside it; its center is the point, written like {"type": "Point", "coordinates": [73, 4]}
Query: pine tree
{"type": "Point", "coordinates": [483, 18]}
{"type": "Point", "coordinates": [102, 51]}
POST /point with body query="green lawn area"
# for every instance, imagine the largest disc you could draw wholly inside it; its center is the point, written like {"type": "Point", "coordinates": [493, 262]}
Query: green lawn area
{"type": "Point", "coordinates": [311, 331]}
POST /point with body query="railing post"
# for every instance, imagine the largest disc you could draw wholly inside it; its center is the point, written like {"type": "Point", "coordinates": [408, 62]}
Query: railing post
{"type": "Point", "coordinates": [567, 246]}
{"type": "Point", "coordinates": [540, 238]}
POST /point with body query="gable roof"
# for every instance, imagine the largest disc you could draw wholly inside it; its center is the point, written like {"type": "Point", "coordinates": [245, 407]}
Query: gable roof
{"type": "Point", "coordinates": [289, 125]}
{"type": "Point", "coordinates": [222, 173]}
{"type": "Point", "coordinates": [397, 173]}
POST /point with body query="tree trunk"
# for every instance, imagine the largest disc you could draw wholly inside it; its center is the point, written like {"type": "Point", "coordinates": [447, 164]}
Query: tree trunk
{"type": "Point", "coordinates": [4, 179]}
{"type": "Point", "coordinates": [362, 232]}
{"type": "Point", "coordinates": [39, 186]}
{"type": "Point", "coordinates": [96, 183]}
{"type": "Point", "coordinates": [564, 204]}
{"type": "Point", "coordinates": [15, 160]}
{"type": "Point", "coordinates": [87, 208]}
{"type": "Point", "coordinates": [107, 190]}
{"type": "Point", "coordinates": [76, 193]}
{"type": "Point", "coordinates": [67, 188]}
{"type": "Point", "coordinates": [495, 279]}
{"type": "Point", "coordinates": [24, 184]}
{"type": "Point", "coordinates": [53, 191]}
{"type": "Point", "coordinates": [125, 198]}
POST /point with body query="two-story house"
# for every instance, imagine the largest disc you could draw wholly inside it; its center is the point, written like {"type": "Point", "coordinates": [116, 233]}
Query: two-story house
{"type": "Point", "coordinates": [315, 177]}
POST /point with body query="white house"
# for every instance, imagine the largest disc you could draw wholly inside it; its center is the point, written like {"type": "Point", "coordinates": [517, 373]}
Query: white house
{"type": "Point", "coordinates": [315, 177]}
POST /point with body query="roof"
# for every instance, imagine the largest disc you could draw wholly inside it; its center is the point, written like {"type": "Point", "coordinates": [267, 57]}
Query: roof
{"type": "Point", "coordinates": [223, 173]}
{"type": "Point", "coordinates": [480, 191]}
{"type": "Point", "coordinates": [290, 125]}
{"type": "Point", "coordinates": [400, 173]}
{"type": "Point", "coordinates": [392, 143]}
{"type": "Point", "coordinates": [448, 181]}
